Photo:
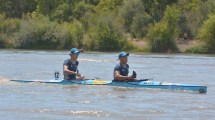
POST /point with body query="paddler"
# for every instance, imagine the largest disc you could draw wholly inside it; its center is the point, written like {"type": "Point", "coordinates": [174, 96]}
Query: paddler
{"type": "Point", "coordinates": [121, 69]}
{"type": "Point", "coordinates": [70, 66]}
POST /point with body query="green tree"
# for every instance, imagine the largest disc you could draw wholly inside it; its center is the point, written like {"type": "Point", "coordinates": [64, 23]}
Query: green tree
{"type": "Point", "coordinates": [163, 34]}
{"type": "Point", "coordinates": [46, 7]}
{"type": "Point", "coordinates": [69, 10]}
{"type": "Point", "coordinates": [38, 32]}
{"type": "Point", "coordinates": [106, 35]}
{"type": "Point", "coordinates": [63, 12]}
{"type": "Point", "coordinates": [129, 10]}
{"type": "Point", "coordinates": [206, 33]}
{"type": "Point", "coordinates": [156, 8]}
{"type": "Point", "coordinates": [140, 25]}
{"type": "Point", "coordinates": [211, 6]}
{"type": "Point", "coordinates": [8, 26]}
{"type": "Point", "coordinates": [194, 12]}
{"type": "Point", "coordinates": [92, 2]}
{"type": "Point", "coordinates": [81, 8]}
{"type": "Point", "coordinates": [106, 6]}
{"type": "Point", "coordinates": [16, 8]}
{"type": "Point", "coordinates": [77, 31]}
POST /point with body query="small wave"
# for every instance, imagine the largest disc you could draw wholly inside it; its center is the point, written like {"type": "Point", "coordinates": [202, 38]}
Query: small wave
{"type": "Point", "coordinates": [94, 60]}
{"type": "Point", "coordinates": [89, 113]}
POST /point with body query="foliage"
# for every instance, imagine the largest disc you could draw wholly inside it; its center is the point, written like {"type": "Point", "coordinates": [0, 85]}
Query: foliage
{"type": "Point", "coordinates": [16, 8]}
{"type": "Point", "coordinates": [194, 12]}
{"type": "Point", "coordinates": [211, 6]}
{"type": "Point", "coordinates": [62, 13]}
{"type": "Point", "coordinates": [162, 35]}
{"type": "Point", "coordinates": [81, 8]}
{"type": "Point", "coordinates": [184, 27]}
{"type": "Point", "coordinates": [106, 36]}
{"type": "Point", "coordinates": [77, 32]}
{"type": "Point", "coordinates": [206, 33]}
{"type": "Point", "coordinates": [102, 24]}
{"type": "Point", "coordinates": [197, 49]}
{"type": "Point", "coordinates": [46, 7]}
{"type": "Point", "coordinates": [106, 6]}
{"type": "Point", "coordinates": [7, 28]}
{"type": "Point", "coordinates": [129, 10]}
{"type": "Point", "coordinates": [140, 24]}
{"type": "Point", "coordinates": [156, 8]}
{"type": "Point", "coordinates": [67, 11]}
{"type": "Point", "coordinates": [37, 32]}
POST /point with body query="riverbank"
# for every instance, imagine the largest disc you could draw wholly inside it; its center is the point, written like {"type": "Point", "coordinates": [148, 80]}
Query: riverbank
{"type": "Point", "coordinates": [184, 46]}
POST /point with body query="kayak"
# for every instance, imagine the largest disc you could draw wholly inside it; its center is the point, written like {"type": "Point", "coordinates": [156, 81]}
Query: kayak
{"type": "Point", "coordinates": [145, 83]}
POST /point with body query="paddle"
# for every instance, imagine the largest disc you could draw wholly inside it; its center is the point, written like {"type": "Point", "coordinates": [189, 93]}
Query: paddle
{"type": "Point", "coordinates": [147, 79]}
{"type": "Point", "coordinates": [134, 75]}
{"type": "Point", "coordinates": [56, 75]}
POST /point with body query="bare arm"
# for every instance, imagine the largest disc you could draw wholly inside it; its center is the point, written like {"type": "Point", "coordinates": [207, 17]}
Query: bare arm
{"type": "Point", "coordinates": [117, 76]}
{"type": "Point", "coordinates": [67, 71]}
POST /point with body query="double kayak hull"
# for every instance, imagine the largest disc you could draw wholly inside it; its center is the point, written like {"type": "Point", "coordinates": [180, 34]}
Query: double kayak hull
{"type": "Point", "coordinates": [134, 84]}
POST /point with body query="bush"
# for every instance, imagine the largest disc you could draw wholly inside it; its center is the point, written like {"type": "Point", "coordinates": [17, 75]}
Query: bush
{"type": "Point", "coordinates": [77, 32]}
{"type": "Point", "coordinates": [7, 28]}
{"type": "Point", "coordinates": [38, 32]}
{"type": "Point", "coordinates": [162, 35]}
{"type": "Point", "coordinates": [91, 44]}
{"type": "Point", "coordinates": [10, 26]}
{"type": "Point", "coordinates": [194, 13]}
{"type": "Point", "coordinates": [140, 25]}
{"type": "Point", "coordinates": [206, 33]}
{"type": "Point", "coordinates": [161, 38]}
{"type": "Point", "coordinates": [197, 49]}
{"type": "Point", "coordinates": [106, 35]}
{"type": "Point", "coordinates": [184, 27]}
{"type": "Point", "coordinates": [130, 10]}
{"type": "Point", "coordinates": [2, 41]}
{"type": "Point", "coordinates": [129, 46]}
{"type": "Point", "coordinates": [63, 12]}
{"type": "Point", "coordinates": [67, 41]}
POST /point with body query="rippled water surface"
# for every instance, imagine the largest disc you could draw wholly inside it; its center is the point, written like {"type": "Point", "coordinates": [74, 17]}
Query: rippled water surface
{"type": "Point", "coordinates": [36, 101]}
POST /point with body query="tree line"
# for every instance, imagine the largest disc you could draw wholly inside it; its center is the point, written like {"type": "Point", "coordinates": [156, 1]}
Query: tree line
{"type": "Point", "coordinates": [106, 25]}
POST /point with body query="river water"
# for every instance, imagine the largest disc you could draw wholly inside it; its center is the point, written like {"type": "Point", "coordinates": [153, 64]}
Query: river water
{"type": "Point", "coordinates": [37, 101]}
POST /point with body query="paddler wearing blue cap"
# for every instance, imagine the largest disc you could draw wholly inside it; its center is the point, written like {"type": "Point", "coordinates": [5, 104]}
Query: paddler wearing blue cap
{"type": "Point", "coordinates": [121, 69]}
{"type": "Point", "coordinates": [70, 66]}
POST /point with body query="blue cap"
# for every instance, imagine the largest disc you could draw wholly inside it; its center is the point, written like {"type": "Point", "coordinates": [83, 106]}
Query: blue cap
{"type": "Point", "coordinates": [74, 51]}
{"type": "Point", "coordinates": [122, 54]}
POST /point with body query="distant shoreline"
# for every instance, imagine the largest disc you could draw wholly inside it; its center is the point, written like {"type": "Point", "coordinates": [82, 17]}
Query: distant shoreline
{"type": "Point", "coordinates": [183, 45]}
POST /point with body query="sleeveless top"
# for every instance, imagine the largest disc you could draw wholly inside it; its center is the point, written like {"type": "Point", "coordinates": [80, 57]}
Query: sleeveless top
{"type": "Point", "coordinates": [71, 67]}
{"type": "Point", "coordinates": [122, 71]}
